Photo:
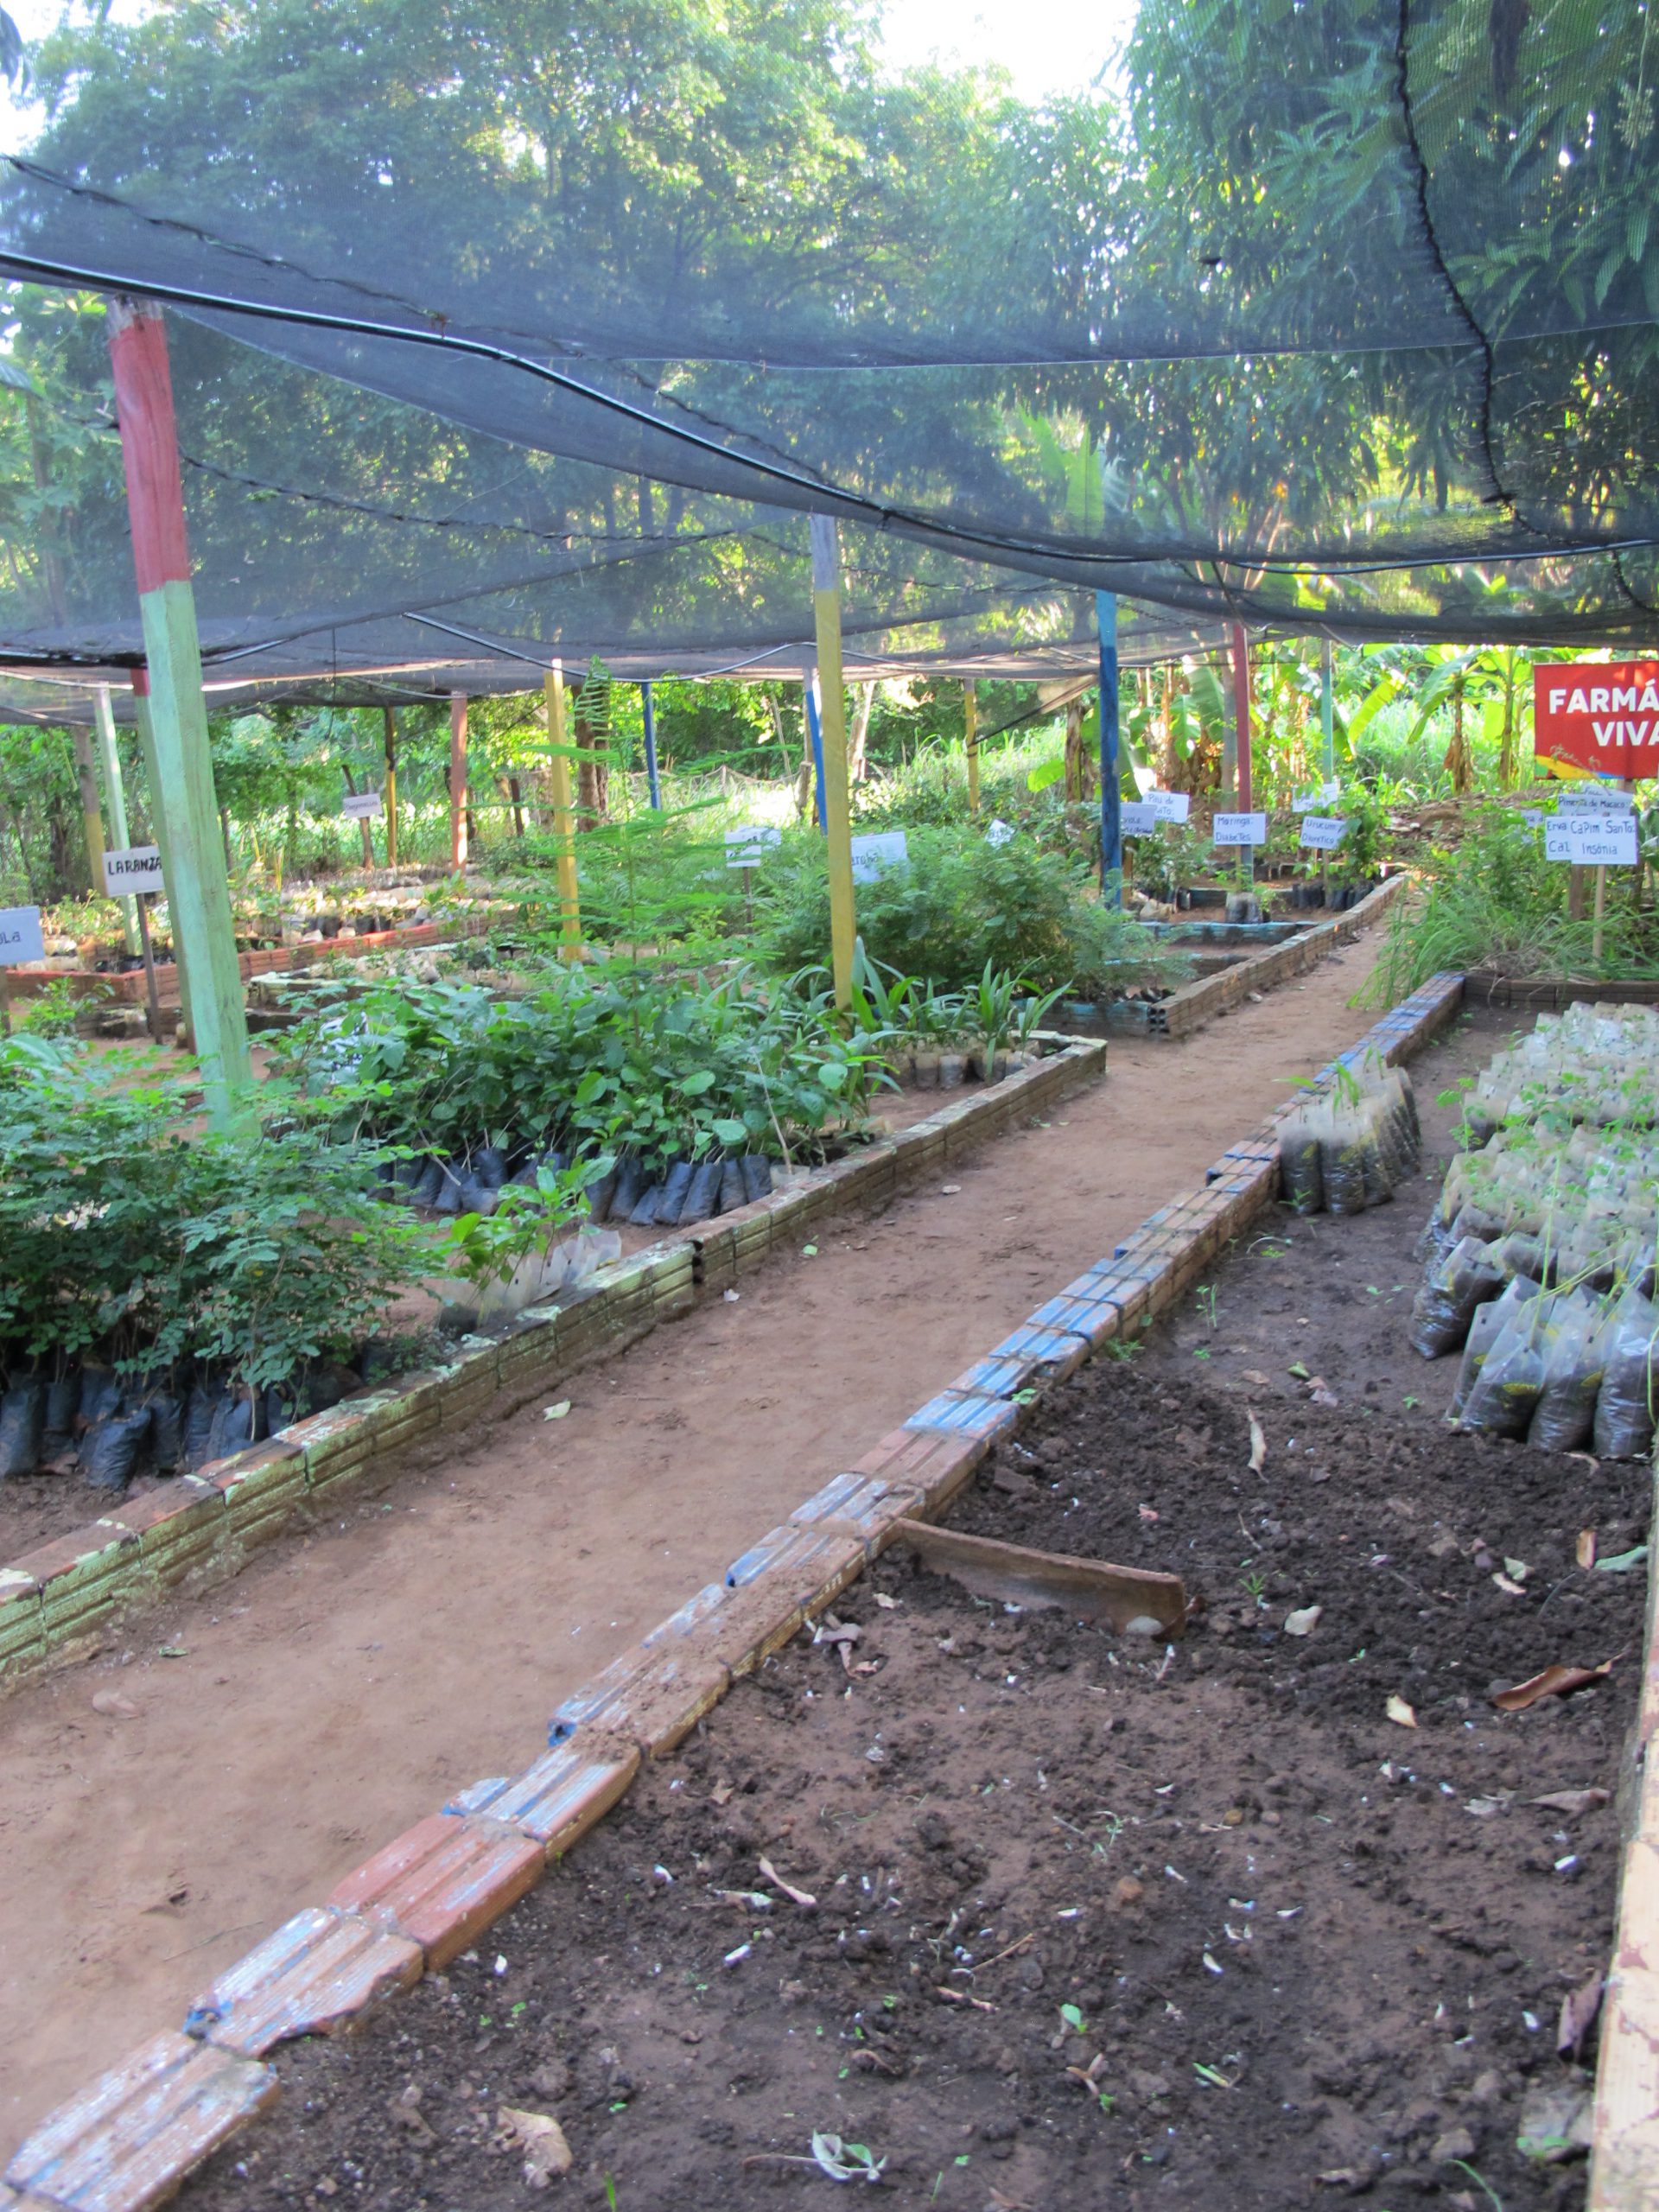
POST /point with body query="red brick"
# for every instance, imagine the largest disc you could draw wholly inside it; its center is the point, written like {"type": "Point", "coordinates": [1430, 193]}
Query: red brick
{"type": "Point", "coordinates": [863, 1506]}
{"type": "Point", "coordinates": [1053, 1353]}
{"type": "Point", "coordinates": [753, 1623]}
{"type": "Point", "coordinates": [319, 1973]}
{"type": "Point", "coordinates": [443, 1881]}
{"type": "Point", "coordinates": [558, 1799]}
{"type": "Point", "coordinates": [128, 2141]}
{"type": "Point", "coordinates": [1097, 1320]}
{"type": "Point", "coordinates": [936, 1462]}
{"type": "Point", "coordinates": [653, 1698]}
{"type": "Point", "coordinates": [811, 1564]}
{"type": "Point", "coordinates": [964, 1413]}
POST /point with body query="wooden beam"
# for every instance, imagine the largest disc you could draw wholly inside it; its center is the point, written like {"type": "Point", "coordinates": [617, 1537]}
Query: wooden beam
{"type": "Point", "coordinates": [1111, 796]}
{"type": "Point", "coordinates": [971, 742]}
{"type": "Point", "coordinates": [564, 817]}
{"type": "Point", "coordinates": [389, 718]}
{"type": "Point", "coordinates": [201, 896]}
{"type": "Point", "coordinates": [457, 780]}
{"type": "Point", "coordinates": [832, 711]}
{"type": "Point", "coordinates": [158, 824]}
{"type": "Point", "coordinates": [1123, 1598]}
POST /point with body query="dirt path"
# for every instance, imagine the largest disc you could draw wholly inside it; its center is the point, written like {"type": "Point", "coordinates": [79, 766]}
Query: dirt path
{"type": "Point", "coordinates": [353, 1677]}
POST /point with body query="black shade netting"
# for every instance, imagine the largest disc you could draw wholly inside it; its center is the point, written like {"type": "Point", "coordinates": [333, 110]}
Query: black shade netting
{"type": "Point", "coordinates": [1334, 315]}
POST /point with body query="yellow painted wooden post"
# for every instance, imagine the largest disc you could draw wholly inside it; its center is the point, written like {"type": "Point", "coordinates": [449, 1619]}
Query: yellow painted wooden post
{"type": "Point", "coordinates": [564, 817]}
{"type": "Point", "coordinates": [91, 814]}
{"type": "Point", "coordinates": [832, 710]}
{"type": "Point", "coordinates": [970, 742]}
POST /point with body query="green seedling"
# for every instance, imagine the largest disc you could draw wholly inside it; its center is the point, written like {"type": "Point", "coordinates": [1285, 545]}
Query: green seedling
{"type": "Point", "coordinates": [1074, 2020]}
{"type": "Point", "coordinates": [610, 2193]}
{"type": "Point", "coordinates": [1212, 2075]}
{"type": "Point", "coordinates": [1480, 2182]}
{"type": "Point", "coordinates": [1255, 1586]}
{"type": "Point", "coordinates": [1410, 1402]}
{"type": "Point", "coordinates": [1121, 1347]}
{"type": "Point", "coordinates": [1206, 1304]}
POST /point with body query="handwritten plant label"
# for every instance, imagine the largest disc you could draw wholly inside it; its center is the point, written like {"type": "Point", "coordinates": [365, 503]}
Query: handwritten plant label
{"type": "Point", "coordinates": [132, 867]}
{"type": "Point", "coordinates": [21, 940]}
{"type": "Point", "coordinates": [1325, 832]}
{"type": "Point", "coordinates": [874, 853]}
{"type": "Point", "coordinates": [364, 806]}
{"type": "Point", "coordinates": [748, 847]}
{"type": "Point", "coordinates": [1241, 830]}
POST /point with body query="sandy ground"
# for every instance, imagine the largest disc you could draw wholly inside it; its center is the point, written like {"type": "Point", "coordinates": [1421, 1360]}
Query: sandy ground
{"type": "Point", "coordinates": [286, 1723]}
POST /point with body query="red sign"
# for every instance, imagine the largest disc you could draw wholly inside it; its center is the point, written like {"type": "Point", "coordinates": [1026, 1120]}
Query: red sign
{"type": "Point", "coordinates": [1602, 714]}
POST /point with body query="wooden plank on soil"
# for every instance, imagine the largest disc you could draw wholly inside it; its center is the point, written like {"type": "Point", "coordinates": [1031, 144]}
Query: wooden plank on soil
{"type": "Point", "coordinates": [1124, 1598]}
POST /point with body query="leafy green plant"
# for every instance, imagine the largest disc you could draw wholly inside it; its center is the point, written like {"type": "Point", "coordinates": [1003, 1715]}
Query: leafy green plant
{"type": "Point", "coordinates": [527, 1219]}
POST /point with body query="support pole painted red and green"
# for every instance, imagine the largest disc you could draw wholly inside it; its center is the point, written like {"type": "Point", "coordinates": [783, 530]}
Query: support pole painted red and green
{"type": "Point", "coordinates": [200, 894]}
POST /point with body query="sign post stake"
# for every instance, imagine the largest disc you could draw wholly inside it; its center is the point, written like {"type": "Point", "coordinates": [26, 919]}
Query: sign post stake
{"type": "Point", "coordinates": [832, 711]}
{"type": "Point", "coordinates": [1601, 911]}
{"type": "Point", "coordinates": [141, 901]}
{"type": "Point", "coordinates": [203, 925]}
{"type": "Point", "coordinates": [1242, 741]}
{"type": "Point", "coordinates": [116, 796]}
{"type": "Point", "coordinates": [653, 777]}
{"type": "Point", "coordinates": [564, 817]}
{"type": "Point", "coordinates": [815, 731]}
{"type": "Point", "coordinates": [5, 1001]}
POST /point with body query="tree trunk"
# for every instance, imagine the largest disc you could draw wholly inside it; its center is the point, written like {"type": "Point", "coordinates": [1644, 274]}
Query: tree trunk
{"type": "Point", "coordinates": [389, 718]}
{"type": "Point", "coordinates": [1506, 763]}
{"type": "Point", "coordinates": [1074, 768]}
{"type": "Point", "coordinates": [515, 792]}
{"type": "Point", "coordinates": [858, 736]}
{"type": "Point", "coordinates": [1457, 754]}
{"type": "Point", "coordinates": [593, 778]}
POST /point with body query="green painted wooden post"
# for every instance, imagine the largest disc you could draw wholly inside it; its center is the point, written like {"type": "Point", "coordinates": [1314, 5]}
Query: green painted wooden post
{"type": "Point", "coordinates": [115, 802]}
{"type": "Point", "coordinates": [158, 824]}
{"type": "Point", "coordinates": [200, 894]}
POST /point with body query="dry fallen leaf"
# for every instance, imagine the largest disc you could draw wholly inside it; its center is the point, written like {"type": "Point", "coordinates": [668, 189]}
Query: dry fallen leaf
{"type": "Point", "coordinates": [1146, 1514]}
{"type": "Point", "coordinates": [1258, 1447]}
{"type": "Point", "coordinates": [1585, 1549]}
{"type": "Point", "coordinates": [722, 1792]}
{"type": "Point", "coordinates": [115, 1705]}
{"type": "Point", "coordinates": [1572, 1803]}
{"type": "Point", "coordinates": [887, 1605]}
{"type": "Point", "coordinates": [1554, 1682]}
{"type": "Point", "coordinates": [541, 2139]}
{"type": "Point", "coordinates": [1303, 1621]}
{"type": "Point", "coordinates": [1397, 1709]}
{"type": "Point", "coordinates": [1318, 1395]}
{"type": "Point", "coordinates": [1513, 1588]}
{"type": "Point", "coordinates": [802, 1898]}
{"type": "Point", "coordinates": [1579, 2009]}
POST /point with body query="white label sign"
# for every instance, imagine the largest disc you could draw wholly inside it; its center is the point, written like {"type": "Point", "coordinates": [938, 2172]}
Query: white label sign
{"type": "Point", "coordinates": [1241, 830]}
{"type": "Point", "coordinates": [1558, 839]}
{"type": "Point", "coordinates": [1325, 832]}
{"type": "Point", "coordinates": [874, 855]}
{"type": "Point", "coordinates": [1596, 798]}
{"type": "Point", "coordinates": [1305, 802]}
{"type": "Point", "coordinates": [132, 867]}
{"type": "Point", "coordinates": [20, 936]}
{"type": "Point", "coordinates": [364, 806]}
{"type": "Point", "coordinates": [1533, 817]}
{"type": "Point", "coordinates": [1603, 844]}
{"type": "Point", "coordinates": [999, 834]}
{"type": "Point", "coordinates": [1167, 806]}
{"type": "Point", "coordinates": [1135, 818]}
{"type": "Point", "coordinates": [748, 847]}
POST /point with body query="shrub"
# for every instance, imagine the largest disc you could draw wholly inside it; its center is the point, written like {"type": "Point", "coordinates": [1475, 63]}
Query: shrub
{"type": "Point", "coordinates": [961, 904]}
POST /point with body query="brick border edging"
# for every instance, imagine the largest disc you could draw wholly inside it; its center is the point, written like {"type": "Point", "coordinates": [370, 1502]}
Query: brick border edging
{"type": "Point", "coordinates": [126, 986]}
{"type": "Point", "coordinates": [1194, 1004]}
{"type": "Point", "coordinates": [203, 1526]}
{"type": "Point", "coordinates": [137, 2131]}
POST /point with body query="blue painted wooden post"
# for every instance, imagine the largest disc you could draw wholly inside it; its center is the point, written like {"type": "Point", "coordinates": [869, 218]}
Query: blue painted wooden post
{"type": "Point", "coordinates": [815, 730]}
{"type": "Point", "coordinates": [1111, 831]}
{"type": "Point", "coordinates": [652, 776]}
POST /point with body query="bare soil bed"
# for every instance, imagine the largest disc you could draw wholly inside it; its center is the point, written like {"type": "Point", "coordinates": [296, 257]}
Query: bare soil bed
{"type": "Point", "coordinates": [1097, 1924]}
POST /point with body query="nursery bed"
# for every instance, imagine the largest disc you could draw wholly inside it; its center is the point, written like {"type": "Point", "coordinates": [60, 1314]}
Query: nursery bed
{"type": "Point", "coordinates": [1318, 1950]}
{"type": "Point", "coordinates": [357, 1673]}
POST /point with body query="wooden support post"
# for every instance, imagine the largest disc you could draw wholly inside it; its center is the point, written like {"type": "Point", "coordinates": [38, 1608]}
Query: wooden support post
{"type": "Point", "coordinates": [564, 817]}
{"type": "Point", "coordinates": [1111, 819]}
{"type": "Point", "coordinates": [390, 741]}
{"type": "Point", "coordinates": [364, 836]}
{"type": "Point", "coordinates": [1242, 739]}
{"type": "Point", "coordinates": [458, 822]}
{"type": "Point", "coordinates": [200, 893]}
{"type": "Point", "coordinates": [92, 817]}
{"type": "Point", "coordinates": [1327, 750]}
{"type": "Point", "coordinates": [826, 612]}
{"type": "Point", "coordinates": [652, 778]}
{"type": "Point", "coordinates": [158, 828]}
{"type": "Point", "coordinates": [971, 743]}
{"type": "Point", "coordinates": [116, 800]}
